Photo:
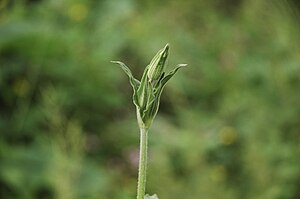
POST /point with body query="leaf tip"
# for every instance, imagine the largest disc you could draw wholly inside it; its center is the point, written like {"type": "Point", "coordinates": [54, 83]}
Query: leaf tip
{"type": "Point", "coordinates": [182, 65]}
{"type": "Point", "coordinates": [147, 196]}
{"type": "Point", "coordinates": [167, 46]}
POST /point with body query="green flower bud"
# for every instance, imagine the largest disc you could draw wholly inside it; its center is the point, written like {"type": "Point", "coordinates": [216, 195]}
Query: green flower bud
{"type": "Point", "coordinates": [147, 92]}
{"type": "Point", "coordinates": [157, 64]}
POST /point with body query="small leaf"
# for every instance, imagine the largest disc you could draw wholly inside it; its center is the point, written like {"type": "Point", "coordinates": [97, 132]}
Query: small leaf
{"type": "Point", "coordinates": [171, 73]}
{"type": "Point", "coordinates": [133, 82]}
{"type": "Point", "coordinates": [151, 197]}
{"type": "Point", "coordinates": [166, 79]}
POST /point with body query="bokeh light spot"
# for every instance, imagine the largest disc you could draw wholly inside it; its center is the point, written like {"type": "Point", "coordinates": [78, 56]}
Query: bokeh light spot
{"type": "Point", "coordinates": [21, 87]}
{"type": "Point", "coordinates": [78, 12]}
{"type": "Point", "coordinates": [227, 135]}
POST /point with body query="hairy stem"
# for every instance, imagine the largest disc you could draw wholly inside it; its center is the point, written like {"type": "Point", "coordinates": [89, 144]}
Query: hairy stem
{"type": "Point", "coordinates": [142, 163]}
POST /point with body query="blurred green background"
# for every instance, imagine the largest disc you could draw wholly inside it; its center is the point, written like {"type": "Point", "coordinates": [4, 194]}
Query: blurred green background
{"type": "Point", "coordinates": [228, 126]}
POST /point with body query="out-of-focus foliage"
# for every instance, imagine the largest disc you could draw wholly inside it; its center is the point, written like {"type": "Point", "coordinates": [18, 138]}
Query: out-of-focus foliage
{"type": "Point", "coordinates": [228, 126]}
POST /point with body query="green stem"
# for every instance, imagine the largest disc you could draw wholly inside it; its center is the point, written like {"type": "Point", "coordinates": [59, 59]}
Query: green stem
{"type": "Point", "coordinates": [142, 163]}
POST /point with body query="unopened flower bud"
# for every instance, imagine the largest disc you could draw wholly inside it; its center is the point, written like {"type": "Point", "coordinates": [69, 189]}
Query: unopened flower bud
{"type": "Point", "coordinates": [157, 64]}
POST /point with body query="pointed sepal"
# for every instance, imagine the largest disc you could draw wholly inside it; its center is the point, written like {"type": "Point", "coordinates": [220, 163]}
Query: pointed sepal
{"type": "Point", "coordinates": [133, 82]}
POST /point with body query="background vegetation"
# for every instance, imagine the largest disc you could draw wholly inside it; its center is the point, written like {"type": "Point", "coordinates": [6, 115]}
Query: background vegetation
{"type": "Point", "coordinates": [228, 127]}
